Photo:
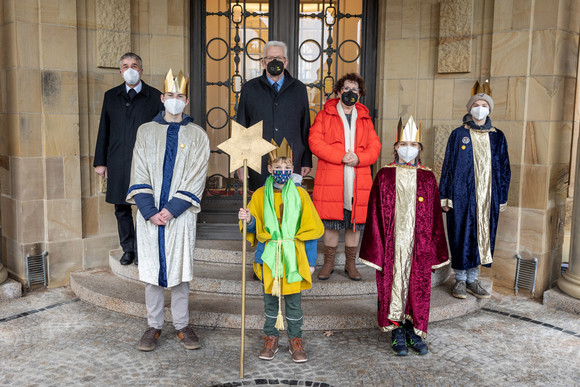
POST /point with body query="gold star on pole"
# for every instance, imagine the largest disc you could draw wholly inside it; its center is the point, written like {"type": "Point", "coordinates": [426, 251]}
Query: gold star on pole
{"type": "Point", "coordinates": [246, 144]}
{"type": "Point", "coordinates": [246, 148]}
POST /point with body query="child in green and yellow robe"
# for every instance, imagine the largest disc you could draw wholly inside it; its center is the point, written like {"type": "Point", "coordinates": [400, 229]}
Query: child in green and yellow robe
{"type": "Point", "coordinates": [284, 226]}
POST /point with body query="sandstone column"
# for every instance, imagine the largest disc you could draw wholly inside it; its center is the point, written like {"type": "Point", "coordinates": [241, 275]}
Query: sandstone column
{"type": "Point", "coordinates": [569, 283]}
{"type": "Point", "coordinates": [3, 273]}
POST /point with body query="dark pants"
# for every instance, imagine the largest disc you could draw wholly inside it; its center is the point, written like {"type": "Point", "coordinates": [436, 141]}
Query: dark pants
{"type": "Point", "coordinates": [126, 228]}
{"type": "Point", "coordinates": [293, 311]}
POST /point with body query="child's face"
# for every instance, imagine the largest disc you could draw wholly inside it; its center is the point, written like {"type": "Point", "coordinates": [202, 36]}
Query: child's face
{"type": "Point", "coordinates": [280, 171]}
{"type": "Point", "coordinates": [279, 166]}
{"type": "Point", "coordinates": [480, 102]}
{"type": "Point", "coordinates": [408, 143]}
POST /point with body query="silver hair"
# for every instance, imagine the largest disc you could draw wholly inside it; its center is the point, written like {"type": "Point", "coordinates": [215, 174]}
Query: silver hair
{"type": "Point", "coordinates": [276, 43]}
{"type": "Point", "coordinates": [132, 56]}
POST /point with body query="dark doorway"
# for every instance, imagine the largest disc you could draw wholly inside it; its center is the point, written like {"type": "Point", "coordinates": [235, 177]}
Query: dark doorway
{"type": "Point", "coordinates": [325, 38]}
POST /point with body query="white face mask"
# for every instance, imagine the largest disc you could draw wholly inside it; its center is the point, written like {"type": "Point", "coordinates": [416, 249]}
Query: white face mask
{"type": "Point", "coordinates": [479, 112]}
{"type": "Point", "coordinates": [131, 76]}
{"type": "Point", "coordinates": [174, 106]}
{"type": "Point", "coordinates": [407, 153]}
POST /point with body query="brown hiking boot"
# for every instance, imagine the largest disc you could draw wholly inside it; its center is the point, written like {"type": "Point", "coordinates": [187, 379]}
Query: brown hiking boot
{"type": "Point", "coordinates": [328, 267]}
{"type": "Point", "coordinates": [149, 339]}
{"type": "Point", "coordinates": [296, 350]}
{"type": "Point", "coordinates": [270, 348]}
{"type": "Point", "coordinates": [188, 338]}
{"type": "Point", "coordinates": [350, 265]}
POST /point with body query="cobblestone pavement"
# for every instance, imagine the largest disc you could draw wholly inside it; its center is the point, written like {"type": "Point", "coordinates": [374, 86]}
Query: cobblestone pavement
{"type": "Point", "coordinates": [51, 338]}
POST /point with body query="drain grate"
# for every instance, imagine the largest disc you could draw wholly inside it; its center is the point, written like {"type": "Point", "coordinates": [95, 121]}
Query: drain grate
{"type": "Point", "coordinates": [526, 272]}
{"type": "Point", "coordinates": [36, 269]}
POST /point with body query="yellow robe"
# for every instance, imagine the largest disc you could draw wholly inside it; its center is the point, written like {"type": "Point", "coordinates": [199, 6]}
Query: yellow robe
{"type": "Point", "coordinates": [311, 227]}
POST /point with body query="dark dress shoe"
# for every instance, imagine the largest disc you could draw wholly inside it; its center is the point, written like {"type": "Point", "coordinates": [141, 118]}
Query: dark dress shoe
{"type": "Point", "coordinates": [127, 258]}
{"type": "Point", "coordinates": [136, 261]}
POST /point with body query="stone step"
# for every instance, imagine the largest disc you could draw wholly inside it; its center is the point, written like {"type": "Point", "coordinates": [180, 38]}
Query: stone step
{"type": "Point", "coordinates": [228, 252]}
{"type": "Point", "coordinates": [212, 275]}
{"type": "Point", "coordinates": [227, 280]}
{"type": "Point", "coordinates": [103, 288]}
{"type": "Point", "coordinates": [10, 289]}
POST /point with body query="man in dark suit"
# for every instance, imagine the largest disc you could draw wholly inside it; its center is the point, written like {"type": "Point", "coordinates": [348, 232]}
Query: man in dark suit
{"type": "Point", "coordinates": [125, 108]}
{"type": "Point", "coordinates": [281, 102]}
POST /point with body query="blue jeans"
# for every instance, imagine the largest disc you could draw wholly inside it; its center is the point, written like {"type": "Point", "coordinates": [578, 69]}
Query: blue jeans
{"type": "Point", "coordinates": [469, 275]}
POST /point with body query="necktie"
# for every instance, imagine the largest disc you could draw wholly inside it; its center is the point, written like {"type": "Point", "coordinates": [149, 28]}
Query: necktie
{"type": "Point", "coordinates": [132, 94]}
{"type": "Point", "coordinates": [276, 86]}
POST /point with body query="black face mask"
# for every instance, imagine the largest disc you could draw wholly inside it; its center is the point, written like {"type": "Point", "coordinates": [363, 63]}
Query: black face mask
{"type": "Point", "coordinates": [349, 98]}
{"type": "Point", "coordinates": [275, 67]}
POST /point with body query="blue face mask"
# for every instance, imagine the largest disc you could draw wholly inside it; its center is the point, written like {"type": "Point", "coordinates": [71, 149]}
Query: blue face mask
{"type": "Point", "coordinates": [281, 176]}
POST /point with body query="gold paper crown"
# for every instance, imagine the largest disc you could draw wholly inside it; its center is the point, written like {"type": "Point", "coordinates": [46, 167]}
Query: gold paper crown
{"type": "Point", "coordinates": [178, 84]}
{"type": "Point", "coordinates": [477, 88]}
{"type": "Point", "coordinates": [283, 150]}
{"type": "Point", "coordinates": [410, 131]}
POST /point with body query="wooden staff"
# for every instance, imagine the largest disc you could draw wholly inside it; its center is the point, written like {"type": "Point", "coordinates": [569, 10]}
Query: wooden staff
{"type": "Point", "coordinates": [244, 232]}
{"type": "Point", "coordinates": [248, 145]}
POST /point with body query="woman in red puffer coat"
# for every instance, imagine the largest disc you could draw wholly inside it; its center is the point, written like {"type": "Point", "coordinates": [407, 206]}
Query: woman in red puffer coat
{"type": "Point", "coordinates": [343, 138]}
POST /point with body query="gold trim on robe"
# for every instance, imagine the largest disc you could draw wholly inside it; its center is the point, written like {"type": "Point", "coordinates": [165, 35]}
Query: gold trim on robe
{"type": "Point", "coordinates": [447, 203]}
{"type": "Point", "coordinates": [435, 267]}
{"type": "Point", "coordinates": [376, 267]}
{"type": "Point", "coordinates": [407, 317]}
{"type": "Point", "coordinates": [482, 174]}
{"type": "Point", "coordinates": [405, 209]}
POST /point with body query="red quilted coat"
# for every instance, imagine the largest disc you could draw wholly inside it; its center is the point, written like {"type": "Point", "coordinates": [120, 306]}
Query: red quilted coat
{"type": "Point", "coordinates": [326, 141]}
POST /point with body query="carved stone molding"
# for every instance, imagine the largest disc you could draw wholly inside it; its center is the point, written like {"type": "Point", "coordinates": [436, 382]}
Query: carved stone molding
{"type": "Point", "coordinates": [455, 29]}
{"type": "Point", "coordinates": [113, 31]}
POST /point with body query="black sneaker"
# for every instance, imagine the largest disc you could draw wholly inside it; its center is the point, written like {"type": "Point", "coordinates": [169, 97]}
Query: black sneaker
{"type": "Point", "coordinates": [415, 341]}
{"type": "Point", "coordinates": [399, 342]}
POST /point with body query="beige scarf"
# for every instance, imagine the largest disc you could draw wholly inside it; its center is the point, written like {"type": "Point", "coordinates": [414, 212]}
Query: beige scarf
{"type": "Point", "coordinates": [349, 139]}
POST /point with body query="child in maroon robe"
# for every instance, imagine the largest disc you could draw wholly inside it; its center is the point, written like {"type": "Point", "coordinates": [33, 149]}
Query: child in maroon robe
{"type": "Point", "coordinates": [404, 241]}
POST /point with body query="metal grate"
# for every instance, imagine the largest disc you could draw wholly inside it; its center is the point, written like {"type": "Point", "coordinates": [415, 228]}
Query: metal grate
{"type": "Point", "coordinates": [36, 269]}
{"type": "Point", "coordinates": [526, 272]}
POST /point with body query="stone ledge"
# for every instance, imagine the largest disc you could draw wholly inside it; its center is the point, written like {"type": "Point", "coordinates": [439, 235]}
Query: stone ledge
{"type": "Point", "coordinates": [217, 279]}
{"type": "Point", "coordinates": [557, 299]}
{"type": "Point", "coordinates": [210, 262]}
{"type": "Point", "coordinates": [10, 289]}
{"type": "Point", "coordinates": [104, 289]}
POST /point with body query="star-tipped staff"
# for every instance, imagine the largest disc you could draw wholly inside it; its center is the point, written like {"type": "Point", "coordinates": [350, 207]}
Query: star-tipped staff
{"type": "Point", "coordinates": [246, 148]}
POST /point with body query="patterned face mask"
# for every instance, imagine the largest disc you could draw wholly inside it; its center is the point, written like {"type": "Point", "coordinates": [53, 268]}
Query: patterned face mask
{"type": "Point", "coordinates": [281, 176]}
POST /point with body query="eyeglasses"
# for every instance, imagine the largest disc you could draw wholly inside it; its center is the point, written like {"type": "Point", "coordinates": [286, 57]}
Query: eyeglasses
{"type": "Point", "coordinates": [271, 58]}
{"type": "Point", "coordinates": [347, 89]}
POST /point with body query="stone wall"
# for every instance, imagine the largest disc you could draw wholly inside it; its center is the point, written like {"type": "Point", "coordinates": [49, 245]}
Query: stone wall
{"type": "Point", "coordinates": [159, 34]}
{"type": "Point", "coordinates": [51, 94]}
{"type": "Point", "coordinates": [529, 52]}
{"type": "Point", "coordinates": [55, 69]}
{"type": "Point", "coordinates": [40, 137]}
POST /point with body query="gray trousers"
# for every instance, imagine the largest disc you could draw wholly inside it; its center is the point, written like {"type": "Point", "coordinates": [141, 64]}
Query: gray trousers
{"type": "Point", "coordinates": [155, 302]}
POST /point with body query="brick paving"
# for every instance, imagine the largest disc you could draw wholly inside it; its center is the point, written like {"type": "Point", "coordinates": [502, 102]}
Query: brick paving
{"type": "Point", "coordinates": [51, 338]}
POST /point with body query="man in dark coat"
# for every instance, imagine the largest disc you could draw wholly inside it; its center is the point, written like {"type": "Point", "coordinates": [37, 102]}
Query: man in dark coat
{"type": "Point", "coordinates": [125, 108]}
{"type": "Point", "coordinates": [281, 102]}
